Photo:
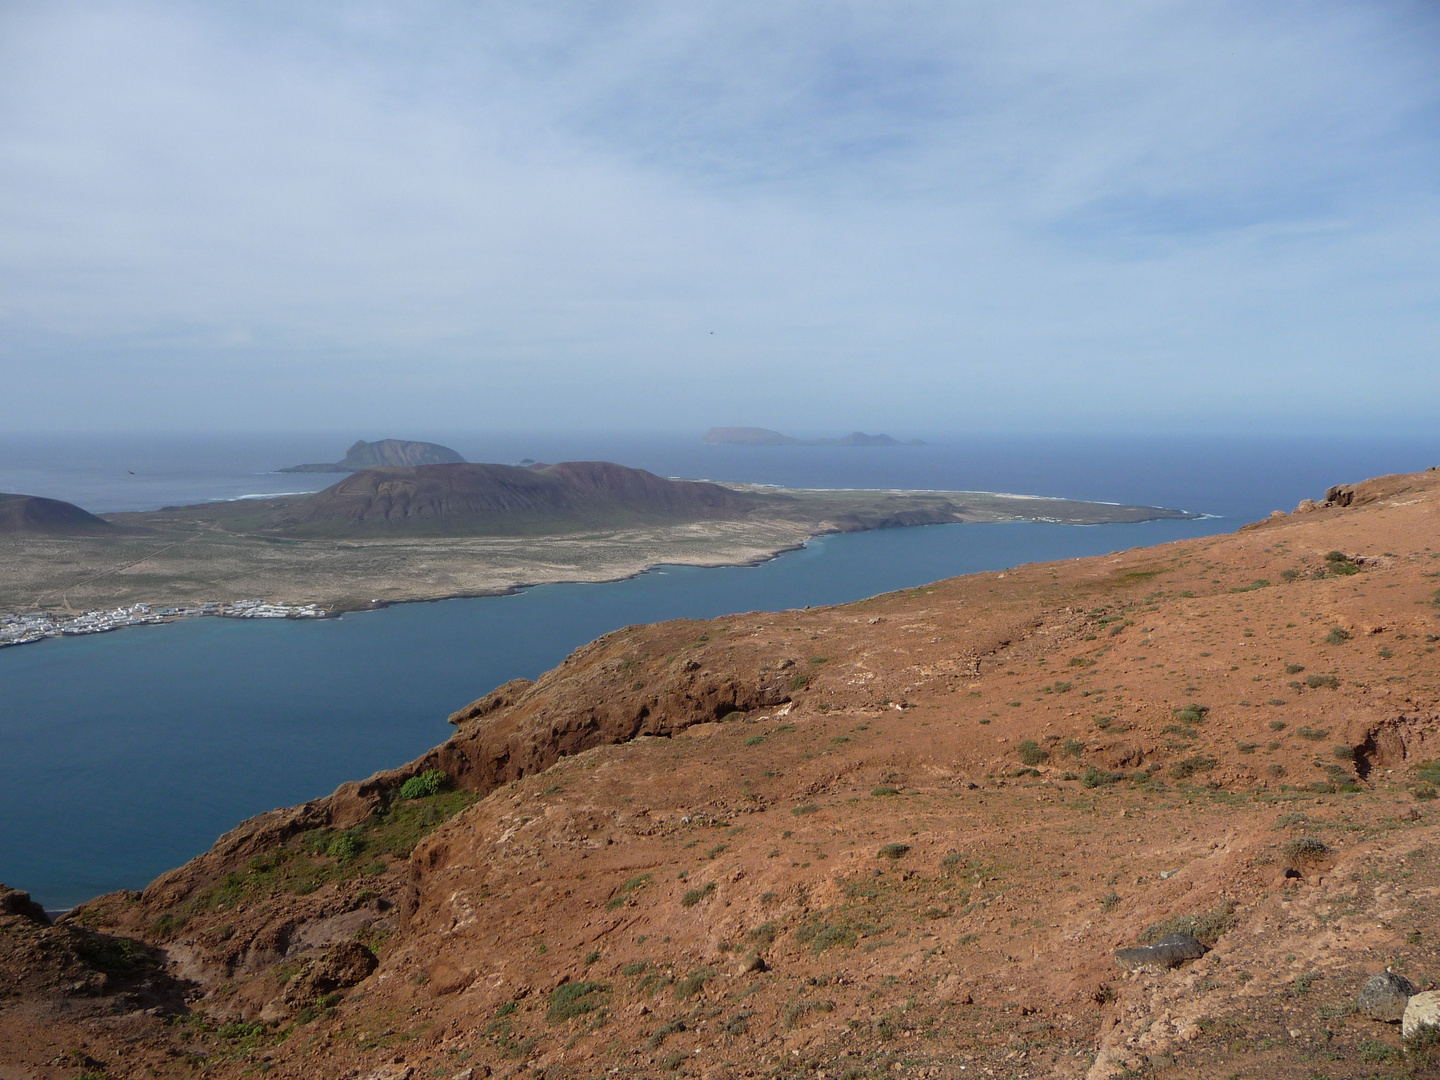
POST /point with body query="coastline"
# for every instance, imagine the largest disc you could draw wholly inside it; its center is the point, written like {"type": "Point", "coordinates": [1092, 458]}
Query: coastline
{"type": "Point", "coordinates": [34, 627]}
{"type": "Point", "coordinates": [179, 563]}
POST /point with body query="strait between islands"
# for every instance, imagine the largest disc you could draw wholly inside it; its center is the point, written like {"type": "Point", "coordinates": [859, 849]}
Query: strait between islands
{"type": "Point", "coordinates": [390, 534]}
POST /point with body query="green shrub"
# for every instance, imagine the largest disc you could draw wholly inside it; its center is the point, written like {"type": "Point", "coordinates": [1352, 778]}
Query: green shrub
{"type": "Point", "coordinates": [1428, 771]}
{"type": "Point", "coordinates": [885, 789]}
{"type": "Point", "coordinates": [1305, 847]}
{"type": "Point", "coordinates": [663, 1032]}
{"type": "Point", "coordinates": [1377, 1053]}
{"type": "Point", "coordinates": [572, 999]}
{"type": "Point", "coordinates": [1093, 777]}
{"type": "Point", "coordinates": [693, 983]}
{"type": "Point", "coordinates": [808, 808]}
{"type": "Point", "coordinates": [820, 935]}
{"type": "Point", "coordinates": [1337, 636]}
{"type": "Point", "coordinates": [1344, 753]}
{"type": "Point", "coordinates": [1313, 734]}
{"type": "Point", "coordinates": [762, 935]}
{"type": "Point", "coordinates": [1315, 682]}
{"type": "Point", "coordinates": [1424, 792]}
{"type": "Point", "coordinates": [1031, 752]}
{"type": "Point", "coordinates": [694, 896]}
{"type": "Point", "coordinates": [625, 892]}
{"type": "Point", "coordinates": [1192, 713]}
{"type": "Point", "coordinates": [1205, 927]}
{"type": "Point", "coordinates": [1198, 763]}
{"type": "Point", "coordinates": [112, 955]}
{"type": "Point", "coordinates": [1073, 747]}
{"type": "Point", "coordinates": [1294, 669]}
{"type": "Point", "coordinates": [345, 847]}
{"type": "Point", "coordinates": [430, 782]}
{"type": "Point", "coordinates": [892, 851]}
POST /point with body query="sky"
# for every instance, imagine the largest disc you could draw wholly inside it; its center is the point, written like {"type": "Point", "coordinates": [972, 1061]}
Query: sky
{"type": "Point", "coordinates": [922, 218]}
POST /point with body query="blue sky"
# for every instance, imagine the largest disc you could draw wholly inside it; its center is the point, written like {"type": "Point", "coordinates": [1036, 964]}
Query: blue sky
{"type": "Point", "coordinates": [919, 218]}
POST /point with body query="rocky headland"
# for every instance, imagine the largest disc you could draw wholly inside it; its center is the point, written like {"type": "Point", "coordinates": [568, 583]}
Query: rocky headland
{"type": "Point", "coordinates": [1163, 813]}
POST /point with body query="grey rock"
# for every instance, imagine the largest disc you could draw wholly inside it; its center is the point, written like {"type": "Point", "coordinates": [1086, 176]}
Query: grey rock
{"type": "Point", "coordinates": [1423, 1011]}
{"type": "Point", "coordinates": [1384, 996]}
{"type": "Point", "coordinates": [1170, 951]}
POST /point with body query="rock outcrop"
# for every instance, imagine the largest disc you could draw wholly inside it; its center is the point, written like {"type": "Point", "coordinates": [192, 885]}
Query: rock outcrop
{"type": "Point", "coordinates": [1170, 951]}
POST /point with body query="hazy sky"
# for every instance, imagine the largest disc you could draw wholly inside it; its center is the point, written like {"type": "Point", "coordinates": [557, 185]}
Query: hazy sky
{"type": "Point", "coordinates": [911, 217]}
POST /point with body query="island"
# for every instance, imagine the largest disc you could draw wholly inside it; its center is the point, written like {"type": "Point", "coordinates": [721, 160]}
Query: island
{"type": "Point", "coordinates": [391, 534]}
{"type": "Point", "coordinates": [365, 455]}
{"type": "Point", "coordinates": [757, 436]}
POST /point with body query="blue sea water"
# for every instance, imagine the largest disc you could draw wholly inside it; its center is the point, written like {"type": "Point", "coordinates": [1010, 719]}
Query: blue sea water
{"type": "Point", "coordinates": [128, 753]}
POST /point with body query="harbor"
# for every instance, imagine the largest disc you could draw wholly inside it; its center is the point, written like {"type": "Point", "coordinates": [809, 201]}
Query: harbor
{"type": "Point", "coordinates": [30, 627]}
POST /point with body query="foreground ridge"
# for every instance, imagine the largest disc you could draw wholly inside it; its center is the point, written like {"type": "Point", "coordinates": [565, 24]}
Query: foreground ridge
{"type": "Point", "coordinates": [906, 836]}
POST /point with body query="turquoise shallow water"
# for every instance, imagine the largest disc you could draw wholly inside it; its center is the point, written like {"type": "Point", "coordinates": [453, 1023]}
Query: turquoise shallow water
{"type": "Point", "coordinates": [128, 753]}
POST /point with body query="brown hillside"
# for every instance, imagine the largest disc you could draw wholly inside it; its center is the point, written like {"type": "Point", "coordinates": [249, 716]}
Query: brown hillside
{"type": "Point", "coordinates": [466, 497]}
{"type": "Point", "coordinates": [903, 837]}
{"type": "Point", "coordinates": [48, 517]}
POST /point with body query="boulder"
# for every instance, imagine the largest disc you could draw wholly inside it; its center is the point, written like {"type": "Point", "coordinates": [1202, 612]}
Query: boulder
{"type": "Point", "coordinates": [1170, 951]}
{"type": "Point", "coordinates": [1422, 1011]}
{"type": "Point", "coordinates": [16, 902]}
{"type": "Point", "coordinates": [753, 962]}
{"type": "Point", "coordinates": [1384, 997]}
{"type": "Point", "coordinates": [338, 968]}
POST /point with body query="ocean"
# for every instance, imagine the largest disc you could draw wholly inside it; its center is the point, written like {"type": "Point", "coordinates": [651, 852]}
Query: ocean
{"type": "Point", "coordinates": [128, 753]}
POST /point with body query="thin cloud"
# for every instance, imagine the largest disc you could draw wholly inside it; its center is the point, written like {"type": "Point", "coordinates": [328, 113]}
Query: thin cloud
{"type": "Point", "coordinates": [922, 216]}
